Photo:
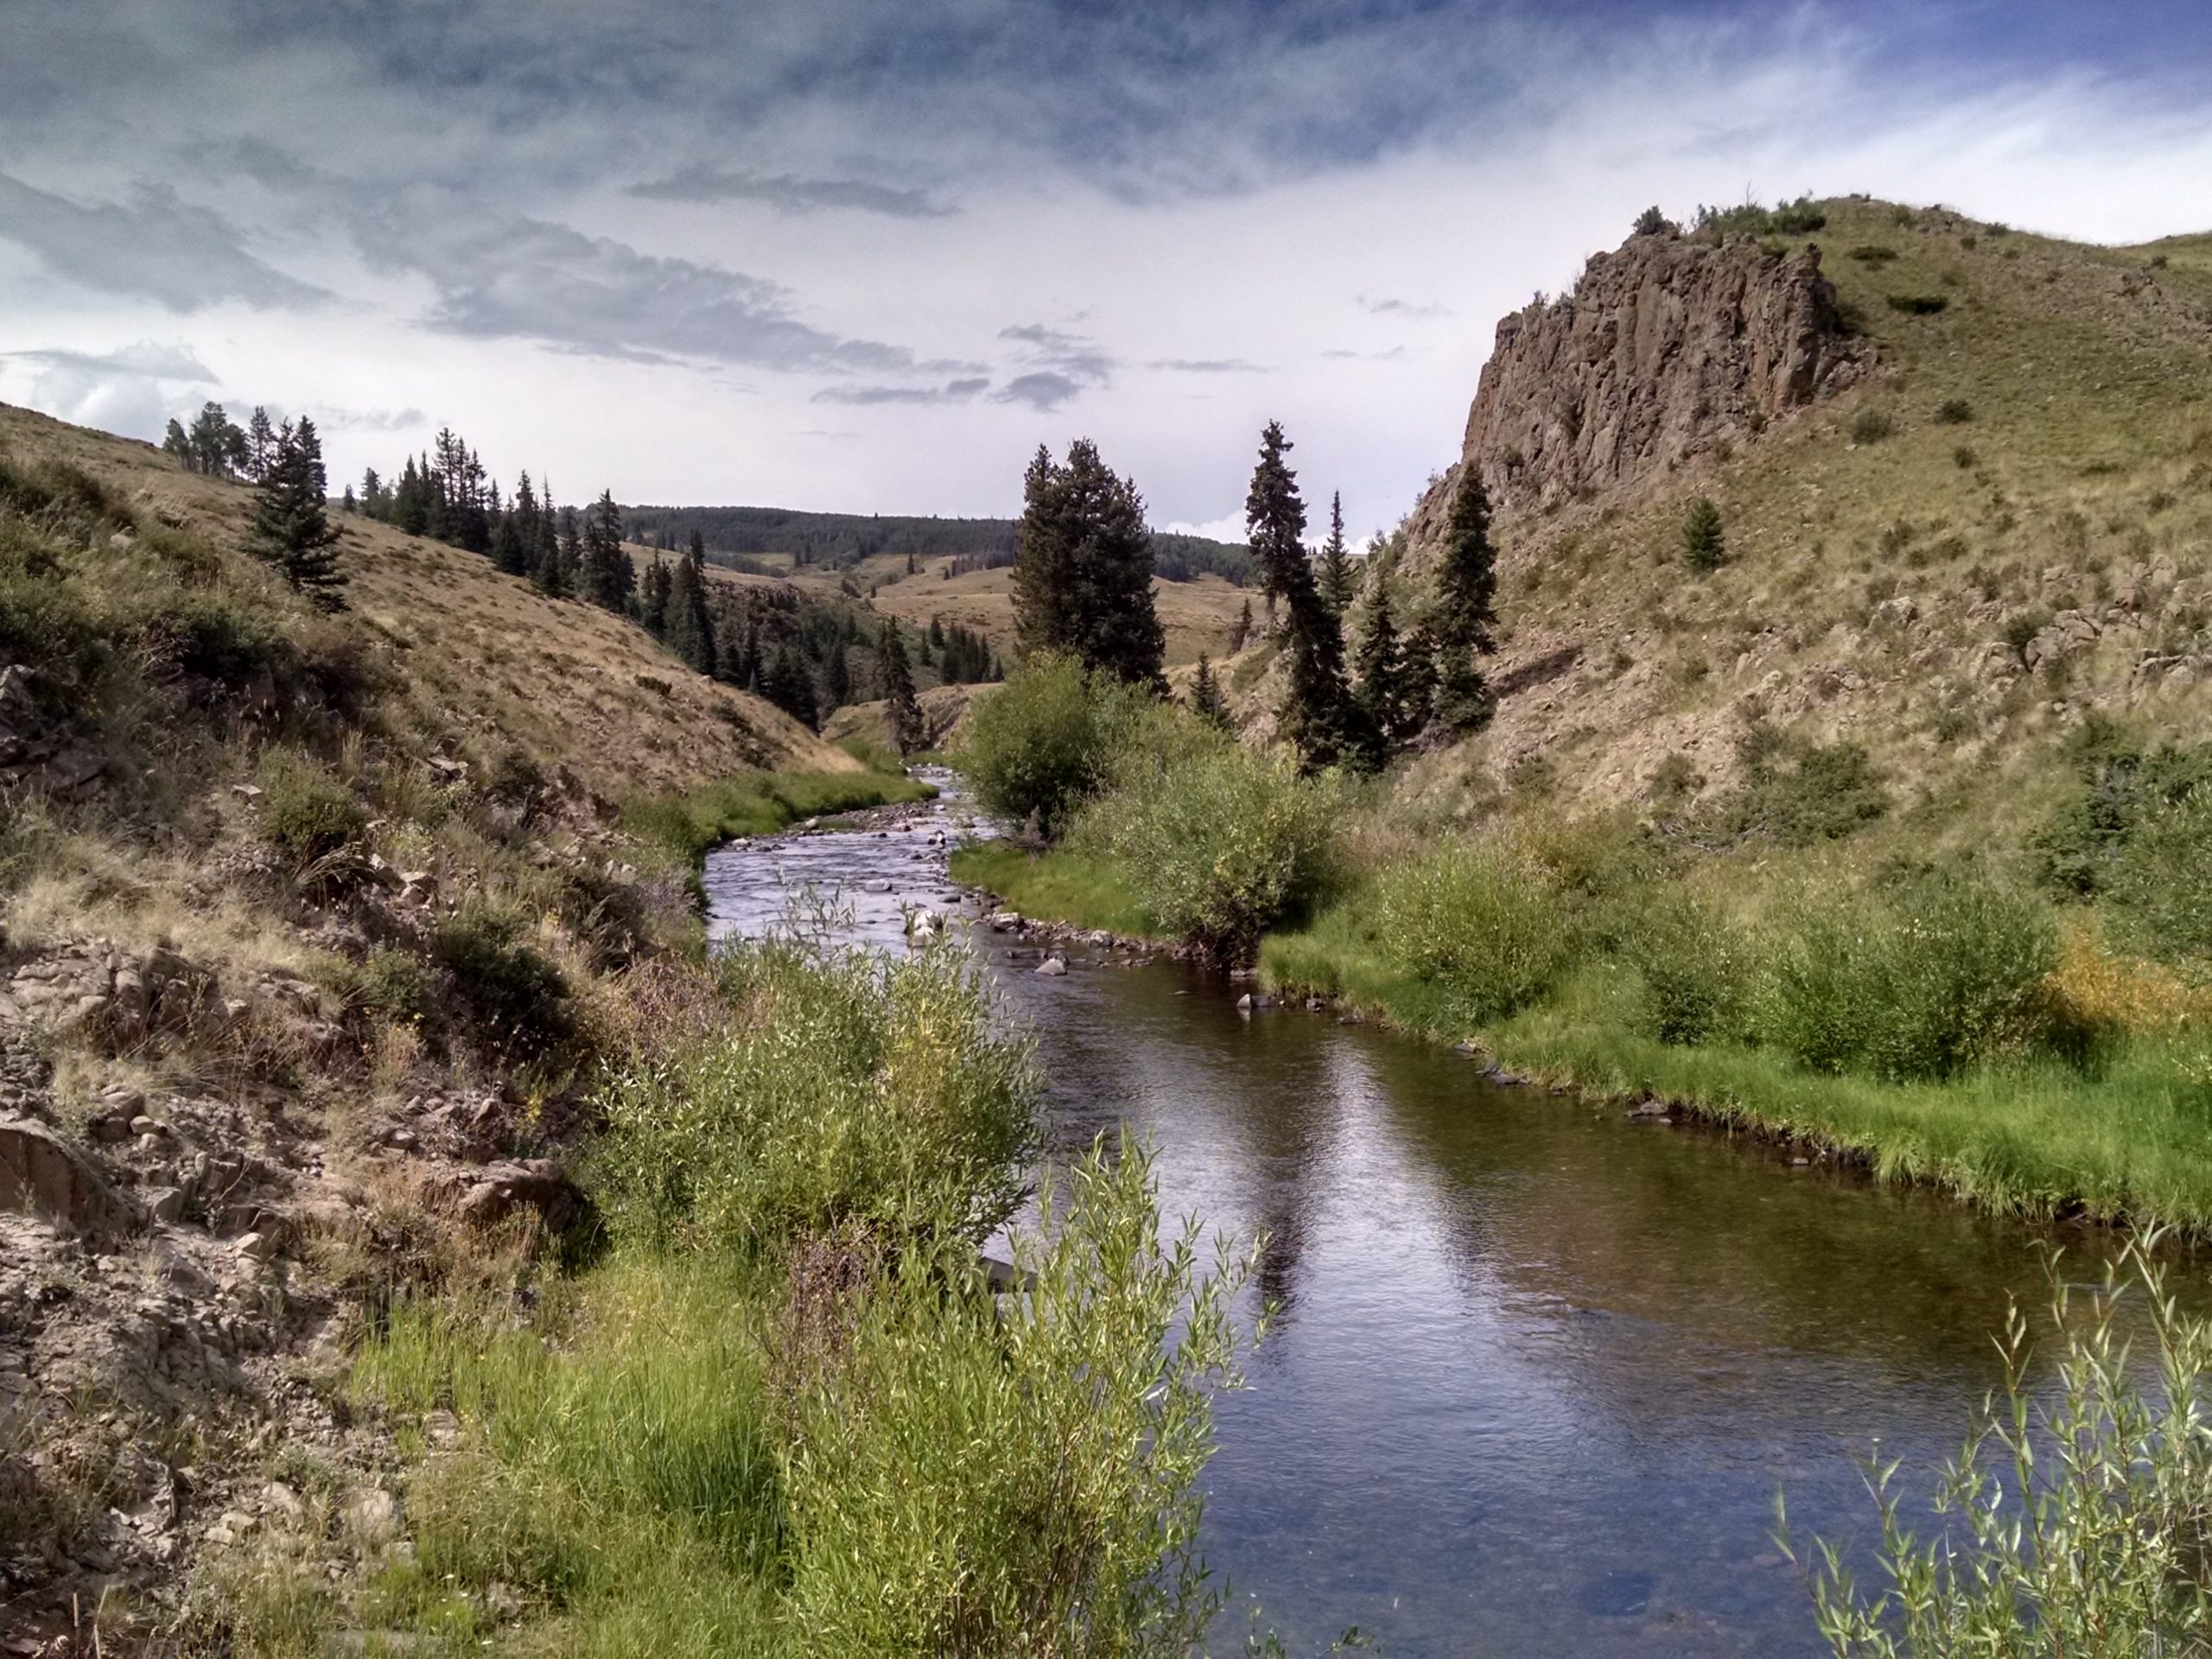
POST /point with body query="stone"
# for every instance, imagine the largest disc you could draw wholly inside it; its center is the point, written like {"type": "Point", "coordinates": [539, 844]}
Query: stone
{"type": "Point", "coordinates": [496, 1191]}
{"type": "Point", "coordinates": [371, 1515]}
{"type": "Point", "coordinates": [257, 1247]}
{"type": "Point", "coordinates": [1255, 1002]}
{"type": "Point", "coordinates": [41, 1174]}
{"type": "Point", "coordinates": [165, 1204]}
{"type": "Point", "coordinates": [1052, 967]}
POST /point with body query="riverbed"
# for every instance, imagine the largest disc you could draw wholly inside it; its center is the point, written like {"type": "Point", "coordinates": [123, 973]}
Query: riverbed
{"type": "Point", "coordinates": [1540, 1368]}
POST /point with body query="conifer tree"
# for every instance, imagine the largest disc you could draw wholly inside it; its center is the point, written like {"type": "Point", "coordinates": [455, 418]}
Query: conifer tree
{"type": "Point", "coordinates": [1384, 699]}
{"type": "Point", "coordinates": [1336, 562]}
{"type": "Point", "coordinates": [902, 711]}
{"type": "Point", "coordinates": [690, 623]}
{"type": "Point", "coordinates": [1242, 631]}
{"type": "Point", "coordinates": [564, 558]}
{"type": "Point", "coordinates": [1207, 700]}
{"type": "Point", "coordinates": [1083, 568]}
{"type": "Point", "coordinates": [260, 444]}
{"type": "Point", "coordinates": [1466, 610]}
{"type": "Point", "coordinates": [608, 577]}
{"type": "Point", "coordinates": [1703, 546]}
{"type": "Point", "coordinates": [214, 445]}
{"type": "Point", "coordinates": [787, 684]}
{"type": "Point", "coordinates": [347, 503]}
{"type": "Point", "coordinates": [653, 596]}
{"type": "Point", "coordinates": [836, 679]}
{"type": "Point", "coordinates": [291, 528]}
{"type": "Point", "coordinates": [1317, 713]}
{"type": "Point", "coordinates": [376, 501]}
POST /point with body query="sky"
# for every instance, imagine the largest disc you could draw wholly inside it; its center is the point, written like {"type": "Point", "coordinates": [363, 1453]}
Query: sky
{"type": "Point", "coordinates": [867, 255]}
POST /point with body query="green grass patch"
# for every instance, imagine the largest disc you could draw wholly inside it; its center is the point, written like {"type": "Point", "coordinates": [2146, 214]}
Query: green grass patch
{"type": "Point", "coordinates": [1058, 885]}
{"type": "Point", "coordinates": [759, 803]}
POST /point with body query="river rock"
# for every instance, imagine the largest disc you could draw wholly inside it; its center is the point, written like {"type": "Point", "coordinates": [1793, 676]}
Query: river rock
{"type": "Point", "coordinates": [1052, 967]}
{"type": "Point", "coordinates": [1255, 1002]}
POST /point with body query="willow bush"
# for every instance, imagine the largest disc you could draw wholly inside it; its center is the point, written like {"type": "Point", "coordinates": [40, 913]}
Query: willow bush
{"type": "Point", "coordinates": [2081, 1525]}
{"type": "Point", "coordinates": [1481, 919]}
{"type": "Point", "coordinates": [850, 1090]}
{"type": "Point", "coordinates": [1219, 843]}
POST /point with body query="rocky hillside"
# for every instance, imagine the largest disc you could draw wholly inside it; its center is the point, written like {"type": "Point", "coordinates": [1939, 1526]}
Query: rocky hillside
{"type": "Point", "coordinates": [312, 929]}
{"type": "Point", "coordinates": [1966, 493]}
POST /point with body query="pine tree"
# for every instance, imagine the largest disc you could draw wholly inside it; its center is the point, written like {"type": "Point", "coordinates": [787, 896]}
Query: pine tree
{"type": "Point", "coordinates": [1703, 547]}
{"type": "Point", "coordinates": [347, 503]}
{"type": "Point", "coordinates": [291, 529]}
{"type": "Point", "coordinates": [788, 685]}
{"type": "Point", "coordinates": [607, 575]}
{"type": "Point", "coordinates": [376, 501]}
{"type": "Point", "coordinates": [214, 445]}
{"type": "Point", "coordinates": [411, 505]}
{"type": "Point", "coordinates": [653, 596]}
{"type": "Point", "coordinates": [1336, 562]}
{"type": "Point", "coordinates": [1083, 568]}
{"type": "Point", "coordinates": [836, 679]}
{"type": "Point", "coordinates": [902, 711]}
{"type": "Point", "coordinates": [690, 623]}
{"type": "Point", "coordinates": [1317, 713]}
{"type": "Point", "coordinates": [1207, 700]}
{"type": "Point", "coordinates": [176, 442]}
{"type": "Point", "coordinates": [1386, 716]}
{"type": "Point", "coordinates": [1465, 611]}
{"type": "Point", "coordinates": [1242, 631]}
{"type": "Point", "coordinates": [260, 445]}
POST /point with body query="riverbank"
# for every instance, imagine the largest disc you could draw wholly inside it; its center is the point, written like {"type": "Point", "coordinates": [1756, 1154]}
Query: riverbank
{"type": "Point", "coordinates": [2122, 1140]}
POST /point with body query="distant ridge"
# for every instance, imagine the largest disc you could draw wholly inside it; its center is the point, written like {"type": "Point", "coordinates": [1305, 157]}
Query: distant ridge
{"type": "Point", "coordinates": [839, 540]}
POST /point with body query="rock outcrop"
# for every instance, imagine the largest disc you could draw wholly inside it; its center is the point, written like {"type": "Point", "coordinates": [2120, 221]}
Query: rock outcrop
{"type": "Point", "coordinates": [1666, 346]}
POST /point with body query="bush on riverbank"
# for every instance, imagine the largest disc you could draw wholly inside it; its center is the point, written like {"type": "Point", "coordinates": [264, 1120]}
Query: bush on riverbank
{"type": "Point", "coordinates": [1047, 740]}
{"type": "Point", "coordinates": [686, 827]}
{"type": "Point", "coordinates": [1916, 978]}
{"type": "Point", "coordinates": [851, 1091]}
{"type": "Point", "coordinates": [1481, 919]}
{"type": "Point", "coordinates": [1219, 843]}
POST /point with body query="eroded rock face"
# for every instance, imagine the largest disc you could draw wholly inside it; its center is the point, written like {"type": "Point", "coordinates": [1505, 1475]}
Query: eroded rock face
{"type": "Point", "coordinates": [1665, 346]}
{"type": "Point", "coordinates": [42, 1175]}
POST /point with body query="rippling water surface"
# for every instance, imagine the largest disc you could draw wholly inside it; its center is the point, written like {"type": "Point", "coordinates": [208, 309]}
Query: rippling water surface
{"type": "Point", "coordinates": [1540, 1370]}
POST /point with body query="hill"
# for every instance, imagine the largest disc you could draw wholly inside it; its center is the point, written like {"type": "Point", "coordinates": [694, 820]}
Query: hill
{"type": "Point", "coordinates": [1965, 478]}
{"type": "Point", "coordinates": [780, 538]}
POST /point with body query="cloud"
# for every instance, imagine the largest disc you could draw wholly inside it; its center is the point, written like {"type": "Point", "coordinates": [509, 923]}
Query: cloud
{"type": "Point", "coordinates": [952, 391]}
{"type": "Point", "coordinates": [1208, 365]}
{"type": "Point", "coordinates": [505, 276]}
{"type": "Point", "coordinates": [1384, 306]}
{"type": "Point", "coordinates": [1046, 389]}
{"type": "Point", "coordinates": [188, 257]}
{"type": "Point", "coordinates": [1061, 364]}
{"type": "Point", "coordinates": [788, 194]}
{"type": "Point", "coordinates": [1388, 355]}
{"type": "Point", "coordinates": [133, 390]}
{"type": "Point", "coordinates": [371, 420]}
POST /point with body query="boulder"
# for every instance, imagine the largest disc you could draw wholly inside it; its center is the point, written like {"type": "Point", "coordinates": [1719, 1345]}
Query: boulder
{"type": "Point", "coordinates": [1052, 967]}
{"type": "Point", "coordinates": [44, 1175]}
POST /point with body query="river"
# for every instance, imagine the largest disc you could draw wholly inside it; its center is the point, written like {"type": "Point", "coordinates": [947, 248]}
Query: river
{"type": "Point", "coordinates": [1540, 1369]}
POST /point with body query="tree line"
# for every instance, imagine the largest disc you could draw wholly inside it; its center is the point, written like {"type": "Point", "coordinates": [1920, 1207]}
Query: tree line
{"type": "Point", "coordinates": [1083, 589]}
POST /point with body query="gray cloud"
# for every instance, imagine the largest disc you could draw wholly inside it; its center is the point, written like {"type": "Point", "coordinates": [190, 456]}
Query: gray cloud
{"type": "Point", "coordinates": [504, 275]}
{"type": "Point", "coordinates": [1046, 389]}
{"type": "Point", "coordinates": [952, 391]}
{"type": "Point", "coordinates": [1209, 365]}
{"type": "Point", "coordinates": [148, 358]}
{"type": "Point", "coordinates": [1384, 306]}
{"type": "Point", "coordinates": [1389, 355]}
{"type": "Point", "coordinates": [1062, 365]}
{"type": "Point", "coordinates": [371, 420]}
{"type": "Point", "coordinates": [788, 194]}
{"type": "Point", "coordinates": [188, 257]}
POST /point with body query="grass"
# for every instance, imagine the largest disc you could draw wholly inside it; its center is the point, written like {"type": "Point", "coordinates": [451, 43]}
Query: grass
{"type": "Point", "coordinates": [686, 825]}
{"type": "Point", "coordinates": [1058, 886]}
{"type": "Point", "coordinates": [2126, 1143]}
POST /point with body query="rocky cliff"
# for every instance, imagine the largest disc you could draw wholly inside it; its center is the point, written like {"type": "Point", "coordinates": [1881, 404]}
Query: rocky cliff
{"type": "Point", "coordinates": [1666, 346]}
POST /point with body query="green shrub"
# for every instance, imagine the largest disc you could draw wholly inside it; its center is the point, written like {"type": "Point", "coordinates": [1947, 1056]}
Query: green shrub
{"type": "Point", "coordinates": [1020, 1478]}
{"type": "Point", "coordinates": [1798, 796]}
{"type": "Point", "coordinates": [2160, 886]}
{"type": "Point", "coordinates": [1045, 740]}
{"type": "Point", "coordinates": [1953, 411]}
{"type": "Point", "coordinates": [306, 810]}
{"type": "Point", "coordinates": [850, 1090]}
{"type": "Point", "coordinates": [1872, 253]}
{"type": "Point", "coordinates": [1219, 843]}
{"type": "Point", "coordinates": [512, 995]}
{"type": "Point", "coordinates": [394, 984]}
{"type": "Point", "coordinates": [1480, 917]}
{"type": "Point", "coordinates": [1697, 966]}
{"type": "Point", "coordinates": [2077, 1520]}
{"type": "Point", "coordinates": [1916, 978]}
{"type": "Point", "coordinates": [1872, 426]}
{"type": "Point", "coordinates": [1918, 305]}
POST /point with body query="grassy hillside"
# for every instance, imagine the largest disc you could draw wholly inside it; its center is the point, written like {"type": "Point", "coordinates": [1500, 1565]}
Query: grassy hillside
{"type": "Point", "coordinates": [2007, 525]}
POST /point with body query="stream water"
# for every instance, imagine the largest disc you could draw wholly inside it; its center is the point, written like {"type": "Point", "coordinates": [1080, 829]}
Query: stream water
{"type": "Point", "coordinates": [1540, 1369]}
